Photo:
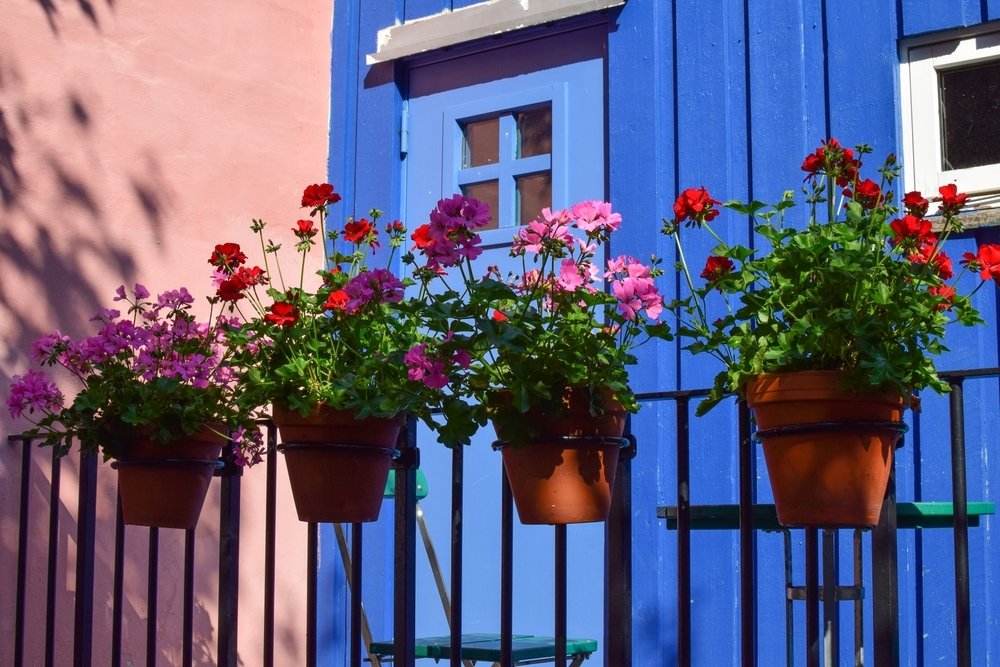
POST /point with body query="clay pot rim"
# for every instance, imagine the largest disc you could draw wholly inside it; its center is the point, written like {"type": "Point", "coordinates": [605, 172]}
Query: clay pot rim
{"type": "Point", "coordinates": [810, 385]}
{"type": "Point", "coordinates": [321, 410]}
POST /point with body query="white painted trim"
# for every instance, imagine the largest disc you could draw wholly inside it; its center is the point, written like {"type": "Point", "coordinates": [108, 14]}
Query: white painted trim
{"type": "Point", "coordinates": [920, 61]}
{"type": "Point", "coordinates": [484, 19]}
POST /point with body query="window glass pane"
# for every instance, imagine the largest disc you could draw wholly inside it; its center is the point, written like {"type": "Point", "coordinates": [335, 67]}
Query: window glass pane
{"type": "Point", "coordinates": [534, 131]}
{"type": "Point", "coordinates": [482, 142]}
{"type": "Point", "coordinates": [970, 118]}
{"type": "Point", "coordinates": [534, 192]}
{"type": "Point", "coordinates": [487, 192]}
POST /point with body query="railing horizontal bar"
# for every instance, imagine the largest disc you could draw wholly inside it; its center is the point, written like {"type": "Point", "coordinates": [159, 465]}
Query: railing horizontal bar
{"type": "Point", "coordinates": [971, 373]}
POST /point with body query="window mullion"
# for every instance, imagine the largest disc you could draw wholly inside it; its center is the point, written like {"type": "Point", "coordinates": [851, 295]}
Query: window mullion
{"type": "Point", "coordinates": [508, 157]}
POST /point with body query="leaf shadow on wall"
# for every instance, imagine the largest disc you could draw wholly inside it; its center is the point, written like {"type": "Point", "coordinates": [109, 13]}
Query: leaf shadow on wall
{"type": "Point", "coordinates": [53, 12]}
{"type": "Point", "coordinates": [59, 238]}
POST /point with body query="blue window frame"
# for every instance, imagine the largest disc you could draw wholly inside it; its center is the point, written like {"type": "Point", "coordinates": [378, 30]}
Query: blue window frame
{"type": "Point", "coordinates": [437, 162]}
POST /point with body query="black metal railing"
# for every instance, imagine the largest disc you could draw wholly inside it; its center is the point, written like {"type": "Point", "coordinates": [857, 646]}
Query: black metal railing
{"type": "Point", "coordinates": [884, 545]}
{"type": "Point", "coordinates": [617, 645]}
{"type": "Point", "coordinates": [228, 567]}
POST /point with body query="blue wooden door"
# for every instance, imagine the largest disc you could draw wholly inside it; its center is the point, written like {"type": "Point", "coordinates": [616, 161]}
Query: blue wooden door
{"type": "Point", "coordinates": [464, 126]}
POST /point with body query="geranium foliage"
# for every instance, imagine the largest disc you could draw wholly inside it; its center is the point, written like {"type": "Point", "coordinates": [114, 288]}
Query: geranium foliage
{"type": "Point", "coordinates": [861, 284]}
{"type": "Point", "coordinates": [506, 343]}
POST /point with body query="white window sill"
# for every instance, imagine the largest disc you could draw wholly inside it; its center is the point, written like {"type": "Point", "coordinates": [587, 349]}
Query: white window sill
{"type": "Point", "coordinates": [485, 19]}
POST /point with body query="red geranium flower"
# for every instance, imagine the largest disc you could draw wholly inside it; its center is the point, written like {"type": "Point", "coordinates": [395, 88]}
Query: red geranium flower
{"type": "Point", "coordinates": [951, 199]}
{"type": "Point", "coordinates": [912, 230]}
{"type": "Point", "coordinates": [696, 205]}
{"type": "Point", "coordinates": [717, 268]}
{"type": "Point", "coordinates": [943, 265]}
{"type": "Point", "coordinates": [231, 290]}
{"type": "Point", "coordinates": [813, 162]}
{"type": "Point", "coordinates": [227, 256]}
{"type": "Point", "coordinates": [830, 158]}
{"type": "Point", "coordinates": [336, 300]}
{"type": "Point", "coordinates": [304, 229]}
{"type": "Point", "coordinates": [319, 194]}
{"type": "Point", "coordinates": [282, 314]}
{"type": "Point", "coordinates": [946, 293]}
{"type": "Point", "coordinates": [421, 237]}
{"type": "Point", "coordinates": [866, 193]}
{"type": "Point", "coordinates": [357, 231]}
{"type": "Point", "coordinates": [252, 276]}
{"type": "Point", "coordinates": [915, 204]}
{"type": "Point", "coordinates": [937, 258]}
{"type": "Point", "coordinates": [988, 261]}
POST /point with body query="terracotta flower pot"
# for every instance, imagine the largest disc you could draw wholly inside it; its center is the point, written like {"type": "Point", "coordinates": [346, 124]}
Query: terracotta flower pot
{"type": "Point", "coordinates": [828, 451]}
{"type": "Point", "coordinates": [567, 473]}
{"type": "Point", "coordinates": [337, 465]}
{"type": "Point", "coordinates": [164, 484]}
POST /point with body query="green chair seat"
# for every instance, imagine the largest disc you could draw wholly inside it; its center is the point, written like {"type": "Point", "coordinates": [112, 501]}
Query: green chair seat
{"type": "Point", "coordinates": [486, 647]}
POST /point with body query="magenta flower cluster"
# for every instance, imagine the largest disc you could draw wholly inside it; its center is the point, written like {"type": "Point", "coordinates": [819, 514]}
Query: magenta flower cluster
{"type": "Point", "coordinates": [33, 392]}
{"type": "Point", "coordinates": [633, 287]}
{"type": "Point", "coordinates": [372, 287]}
{"type": "Point", "coordinates": [564, 278]}
{"type": "Point", "coordinates": [161, 345]}
{"type": "Point", "coordinates": [431, 368]}
{"type": "Point", "coordinates": [501, 341]}
{"type": "Point", "coordinates": [450, 237]}
{"type": "Point", "coordinates": [122, 366]}
{"type": "Point", "coordinates": [551, 235]}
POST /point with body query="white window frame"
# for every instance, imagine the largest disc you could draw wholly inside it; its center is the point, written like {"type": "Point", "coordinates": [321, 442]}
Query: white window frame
{"type": "Point", "coordinates": [920, 61]}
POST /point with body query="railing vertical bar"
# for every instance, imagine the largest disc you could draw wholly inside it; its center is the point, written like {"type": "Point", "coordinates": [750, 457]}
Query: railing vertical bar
{"type": "Point", "coordinates": [560, 595]}
{"type": "Point", "coordinates": [53, 554]}
{"type": "Point", "coordinates": [404, 584]}
{"type": "Point", "coordinates": [187, 645]}
{"type": "Point", "coordinates": [229, 561]}
{"type": "Point", "coordinates": [789, 604]}
{"type": "Point", "coordinates": [86, 522]}
{"type": "Point", "coordinates": [963, 635]}
{"type": "Point", "coordinates": [859, 606]}
{"type": "Point", "coordinates": [748, 567]}
{"type": "Point", "coordinates": [22, 552]}
{"type": "Point", "coordinates": [683, 535]}
{"type": "Point", "coordinates": [812, 597]}
{"type": "Point", "coordinates": [618, 561]}
{"type": "Point", "coordinates": [506, 570]}
{"type": "Point", "coordinates": [312, 567]}
{"type": "Point", "coordinates": [885, 581]}
{"type": "Point", "coordinates": [831, 615]}
{"type": "Point", "coordinates": [356, 583]}
{"type": "Point", "coordinates": [151, 595]}
{"type": "Point", "coordinates": [270, 544]}
{"type": "Point", "coordinates": [118, 587]}
{"type": "Point", "coordinates": [457, 482]}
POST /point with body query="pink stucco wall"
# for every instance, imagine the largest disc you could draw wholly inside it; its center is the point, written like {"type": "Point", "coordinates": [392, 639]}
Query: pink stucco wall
{"type": "Point", "coordinates": [134, 135]}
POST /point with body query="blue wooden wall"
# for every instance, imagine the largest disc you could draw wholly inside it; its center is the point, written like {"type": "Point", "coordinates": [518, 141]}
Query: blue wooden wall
{"type": "Point", "coordinates": [730, 95]}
